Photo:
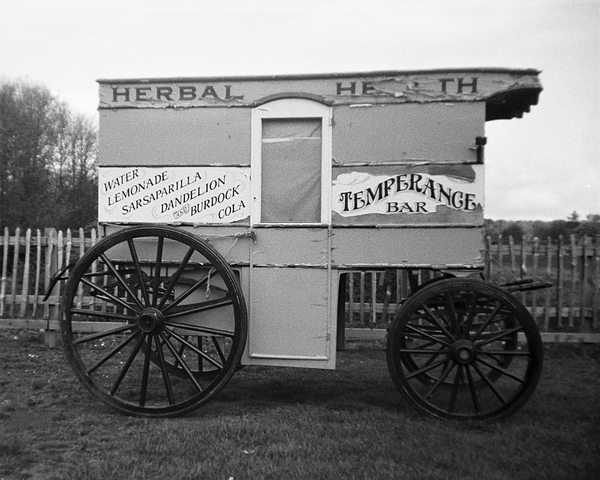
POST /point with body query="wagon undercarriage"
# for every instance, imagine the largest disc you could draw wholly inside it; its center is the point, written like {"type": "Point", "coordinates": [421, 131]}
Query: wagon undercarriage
{"type": "Point", "coordinates": [170, 333]}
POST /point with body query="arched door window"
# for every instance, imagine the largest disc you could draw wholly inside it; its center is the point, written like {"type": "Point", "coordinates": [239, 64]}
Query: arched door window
{"type": "Point", "coordinates": [291, 162]}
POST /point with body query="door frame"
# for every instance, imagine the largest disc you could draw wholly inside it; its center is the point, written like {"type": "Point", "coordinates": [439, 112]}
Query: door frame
{"type": "Point", "coordinates": [284, 109]}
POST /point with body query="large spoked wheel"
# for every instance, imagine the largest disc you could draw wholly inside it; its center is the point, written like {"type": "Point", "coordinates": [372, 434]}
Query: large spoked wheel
{"type": "Point", "coordinates": [464, 349]}
{"type": "Point", "coordinates": [167, 316]}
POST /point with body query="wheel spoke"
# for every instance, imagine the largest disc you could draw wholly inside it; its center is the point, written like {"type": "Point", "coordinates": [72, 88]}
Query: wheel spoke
{"type": "Point", "coordinates": [103, 314]}
{"type": "Point", "coordinates": [510, 353]}
{"type": "Point", "coordinates": [157, 267]}
{"type": "Point", "coordinates": [487, 321]}
{"type": "Point", "coordinates": [413, 329]}
{"type": "Point", "coordinates": [473, 389]}
{"type": "Point", "coordinates": [447, 370]}
{"type": "Point", "coordinates": [121, 280]}
{"type": "Point", "coordinates": [138, 270]}
{"type": "Point", "coordinates": [182, 362]}
{"type": "Point", "coordinates": [189, 291]}
{"type": "Point", "coordinates": [427, 368]}
{"type": "Point", "coordinates": [165, 373]}
{"type": "Point", "coordinates": [423, 351]}
{"type": "Point", "coordinates": [199, 307]}
{"type": "Point", "coordinates": [106, 333]}
{"type": "Point", "coordinates": [498, 336]}
{"type": "Point", "coordinates": [455, 388]}
{"type": "Point", "coordinates": [501, 370]}
{"type": "Point", "coordinates": [144, 387]}
{"type": "Point", "coordinates": [472, 311]}
{"type": "Point", "coordinates": [437, 322]}
{"type": "Point", "coordinates": [454, 320]}
{"type": "Point", "coordinates": [109, 296]}
{"type": "Point", "coordinates": [200, 329]}
{"type": "Point", "coordinates": [127, 364]}
{"type": "Point", "coordinates": [112, 353]}
{"type": "Point", "coordinates": [176, 276]}
{"type": "Point", "coordinates": [219, 350]}
{"type": "Point", "coordinates": [488, 383]}
{"type": "Point", "coordinates": [192, 347]}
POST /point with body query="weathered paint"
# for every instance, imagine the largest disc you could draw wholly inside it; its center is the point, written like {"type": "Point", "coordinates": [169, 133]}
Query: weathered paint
{"type": "Point", "coordinates": [291, 246]}
{"type": "Point", "coordinates": [407, 133]}
{"type": "Point", "coordinates": [174, 137]}
{"type": "Point", "coordinates": [407, 247]}
{"type": "Point", "coordinates": [336, 89]}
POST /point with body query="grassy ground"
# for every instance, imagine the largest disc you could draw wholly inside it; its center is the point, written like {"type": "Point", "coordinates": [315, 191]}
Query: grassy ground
{"type": "Point", "coordinates": [291, 423]}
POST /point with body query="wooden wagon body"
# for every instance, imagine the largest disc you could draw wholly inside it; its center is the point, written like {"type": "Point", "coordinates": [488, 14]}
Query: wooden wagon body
{"type": "Point", "coordinates": [293, 180]}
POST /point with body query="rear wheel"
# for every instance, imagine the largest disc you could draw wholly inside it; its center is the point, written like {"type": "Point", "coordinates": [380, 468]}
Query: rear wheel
{"type": "Point", "coordinates": [464, 349]}
{"type": "Point", "coordinates": [167, 316]}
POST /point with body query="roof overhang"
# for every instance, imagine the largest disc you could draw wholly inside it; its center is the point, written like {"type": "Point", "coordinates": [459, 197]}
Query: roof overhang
{"type": "Point", "coordinates": [511, 103]}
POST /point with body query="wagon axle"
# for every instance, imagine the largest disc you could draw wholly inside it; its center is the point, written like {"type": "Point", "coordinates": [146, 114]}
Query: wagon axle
{"type": "Point", "coordinates": [151, 320]}
{"type": "Point", "coordinates": [463, 352]}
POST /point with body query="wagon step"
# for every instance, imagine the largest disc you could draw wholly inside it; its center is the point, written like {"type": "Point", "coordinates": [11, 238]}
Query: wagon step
{"type": "Point", "coordinates": [525, 285]}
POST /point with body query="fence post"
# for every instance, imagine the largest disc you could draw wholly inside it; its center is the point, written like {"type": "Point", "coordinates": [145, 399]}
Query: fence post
{"type": "Point", "coordinates": [25, 286]}
{"type": "Point", "coordinates": [583, 289]}
{"type": "Point", "coordinates": [373, 298]}
{"type": "Point", "coordinates": [362, 298]}
{"type": "Point", "coordinates": [15, 269]}
{"type": "Point", "coordinates": [488, 258]}
{"type": "Point", "coordinates": [548, 275]}
{"type": "Point", "coordinates": [535, 274]}
{"type": "Point", "coordinates": [511, 252]}
{"type": "Point", "coordinates": [38, 266]}
{"type": "Point", "coordinates": [341, 312]}
{"type": "Point", "coordinates": [51, 261]}
{"type": "Point", "coordinates": [559, 282]}
{"type": "Point", "coordinates": [4, 278]}
{"type": "Point", "coordinates": [596, 290]}
{"type": "Point", "coordinates": [573, 278]}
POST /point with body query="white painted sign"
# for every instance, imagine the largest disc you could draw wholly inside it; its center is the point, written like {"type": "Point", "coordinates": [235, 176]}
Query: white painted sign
{"type": "Point", "coordinates": [173, 194]}
{"type": "Point", "coordinates": [359, 193]}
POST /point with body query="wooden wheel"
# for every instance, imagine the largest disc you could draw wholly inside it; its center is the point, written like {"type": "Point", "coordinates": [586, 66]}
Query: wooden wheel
{"type": "Point", "coordinates": [464, 349]}
{"type": "Point", "coordinates": [168, 319]}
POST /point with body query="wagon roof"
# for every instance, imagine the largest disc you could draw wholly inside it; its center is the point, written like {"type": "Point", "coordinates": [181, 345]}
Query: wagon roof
{"type": "Point", "coordinates": [508, 93]}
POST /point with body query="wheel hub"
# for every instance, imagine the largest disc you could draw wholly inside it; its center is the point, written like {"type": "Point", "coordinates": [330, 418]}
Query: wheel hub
{"type": "Point", "coordinates": [463, 352]}
{"type": "Point", "coordinates": [150, 319]}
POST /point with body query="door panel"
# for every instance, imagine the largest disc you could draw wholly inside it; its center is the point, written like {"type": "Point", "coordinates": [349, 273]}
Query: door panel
{"type": "Point", "coordinates": [291, 288]}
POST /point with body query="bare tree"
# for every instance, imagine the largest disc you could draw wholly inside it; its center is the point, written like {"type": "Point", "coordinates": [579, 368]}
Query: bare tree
{"type": "Point", "coordinates": [47, 160]}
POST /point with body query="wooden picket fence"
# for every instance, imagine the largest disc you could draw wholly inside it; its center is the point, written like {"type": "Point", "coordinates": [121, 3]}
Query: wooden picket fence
{"type": "Point", "coordinates": [29, 261]}
{"type": "Point", "coordinates": [572, 266]}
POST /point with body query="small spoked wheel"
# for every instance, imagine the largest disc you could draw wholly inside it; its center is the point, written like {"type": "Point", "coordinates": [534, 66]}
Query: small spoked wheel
{"type": "Point", "coordinates": [153, 321]}
{"type": "Point", "coordinates": [464, 349]}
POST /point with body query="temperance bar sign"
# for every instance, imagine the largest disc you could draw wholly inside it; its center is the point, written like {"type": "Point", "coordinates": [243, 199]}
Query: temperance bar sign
{"type": "Point", "coordinates": [360, 193]}
{"type": "Point", "coordinates": [173, 194]}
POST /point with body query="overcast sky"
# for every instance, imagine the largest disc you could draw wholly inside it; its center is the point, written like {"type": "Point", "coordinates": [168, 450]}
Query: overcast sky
{"type": "Point", "coordinates": [543, 166]}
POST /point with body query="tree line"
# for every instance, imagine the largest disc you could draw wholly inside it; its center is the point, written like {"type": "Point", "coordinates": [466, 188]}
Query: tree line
{"type": "Point", "coordinates": [48, 159]}
{"type": "Point", "coordinates": [519, 230]}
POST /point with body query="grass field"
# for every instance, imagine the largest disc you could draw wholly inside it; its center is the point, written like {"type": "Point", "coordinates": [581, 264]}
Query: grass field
{"type": "Point", "coordinates": [292, 424]}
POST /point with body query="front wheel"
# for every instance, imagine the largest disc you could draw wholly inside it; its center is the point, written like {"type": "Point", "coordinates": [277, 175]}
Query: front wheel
{"type": "Point", "coordinates": [464, 349]}
{"type": "Point", "coordinates": [166, 321]}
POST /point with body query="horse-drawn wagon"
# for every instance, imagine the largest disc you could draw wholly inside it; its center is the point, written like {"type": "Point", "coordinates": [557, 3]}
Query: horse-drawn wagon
{"type": "Point", "coordinates": [232, 208]}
